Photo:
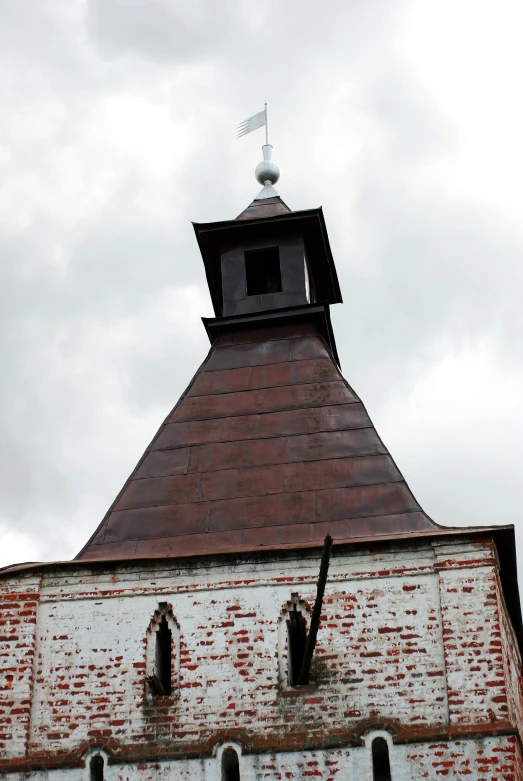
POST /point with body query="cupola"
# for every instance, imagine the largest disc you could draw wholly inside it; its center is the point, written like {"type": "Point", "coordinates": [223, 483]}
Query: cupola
{"type": "Point", "coordinates": [269, 262]}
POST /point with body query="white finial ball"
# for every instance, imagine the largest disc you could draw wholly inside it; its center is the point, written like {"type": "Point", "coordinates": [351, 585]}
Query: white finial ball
{"type": "Point", "coordinates": [267, 171]}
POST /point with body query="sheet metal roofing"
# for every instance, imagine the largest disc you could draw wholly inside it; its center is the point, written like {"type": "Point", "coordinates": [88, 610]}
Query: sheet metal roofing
{"type": "Point", "coordinates": [269, 445]}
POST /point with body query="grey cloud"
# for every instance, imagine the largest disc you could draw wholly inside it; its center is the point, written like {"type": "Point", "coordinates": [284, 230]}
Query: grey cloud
{"type": "Point", "coordinates": [102, 291]}
{"type": "Point", "coordinates": [159, 30]}
{"type": "Point", "coordinates": [271, 35]}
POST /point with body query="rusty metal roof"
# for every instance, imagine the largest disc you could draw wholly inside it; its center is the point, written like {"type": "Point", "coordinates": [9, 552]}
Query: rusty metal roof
{"type": "Point", "coordinates": [268, 446]}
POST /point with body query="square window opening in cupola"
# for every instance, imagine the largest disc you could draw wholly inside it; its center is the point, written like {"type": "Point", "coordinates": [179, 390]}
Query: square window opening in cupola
{"type": "Point", "coordinates": [262, 270]}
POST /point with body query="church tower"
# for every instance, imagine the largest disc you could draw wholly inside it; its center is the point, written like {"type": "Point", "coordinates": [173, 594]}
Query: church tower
{"type": "Point", "coordinates": [265, 598]}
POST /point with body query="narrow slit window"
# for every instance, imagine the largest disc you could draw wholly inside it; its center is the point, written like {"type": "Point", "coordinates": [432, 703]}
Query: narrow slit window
{"type": "Point", "coordinates": [162, 660]}
{"type": "Point", "coordinates": [230, 765]}
{"type": "Point", "coordinates": [297, 636]}
{"type": "Point", "coordinates": [96, 768]}
{"type": "Point", "coordinates": [380, 760]}
{"type": "Point", "coordinates": [262, 270]}
{"type": "Point", "coordinates": [163, 665]}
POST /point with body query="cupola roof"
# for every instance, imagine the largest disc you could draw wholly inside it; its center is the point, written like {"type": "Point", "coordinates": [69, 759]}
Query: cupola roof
{"type": "Point", "coordinates": [266, 207]}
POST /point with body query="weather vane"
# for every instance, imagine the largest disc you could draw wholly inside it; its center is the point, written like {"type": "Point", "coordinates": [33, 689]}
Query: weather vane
{"type": "Point", "coordinates": [266, 172]}
{"type": "Point", "coordinates": [253, 123]}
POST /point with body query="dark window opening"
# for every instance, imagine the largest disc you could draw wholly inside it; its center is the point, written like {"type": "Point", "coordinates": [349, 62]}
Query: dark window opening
{"type": "Point", "coordinates": [163, 656]}
{"type": "Point", "coordinates": [380, 760]}
{"type": "Point", "coordinates": [262, 270]}
{"type": "Point", "coordinates": [230, 765]}
{"type": "Point", "coordinates": [297, 634]}
{"type": "Point", "coordinates": [96, 768]}
{"type": "Point", "coordinates": [160, 681]}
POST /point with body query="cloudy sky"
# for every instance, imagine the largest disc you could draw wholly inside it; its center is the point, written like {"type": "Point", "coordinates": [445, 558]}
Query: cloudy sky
{"type": "Point", "coordinates": [402, 118]}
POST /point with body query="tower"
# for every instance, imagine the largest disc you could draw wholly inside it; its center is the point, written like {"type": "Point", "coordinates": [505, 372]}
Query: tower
{"type": "Point", "coordinates": [173, 645]}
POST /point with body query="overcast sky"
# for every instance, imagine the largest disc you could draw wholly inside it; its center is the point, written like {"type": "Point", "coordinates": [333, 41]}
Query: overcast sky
{"type": "Point", "coordinates": [402, 118]}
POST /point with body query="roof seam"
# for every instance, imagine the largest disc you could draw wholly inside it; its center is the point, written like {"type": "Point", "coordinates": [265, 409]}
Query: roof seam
{"type": "Point", "coordinates": [277, 493]}
{"type": "Point", "coordinates": [311, 359]}
{"type": "Point", "coordinates": [264, 388]}
{"type": "Point", "coordinates": [263, 412]}
{"type": "Point", "coordinates": [259, 438]}
{"type": "Point", "coordinates": [256, 330]}
{"type": "Point", "coordinates": [237, 415]}
{"type": "Point", "coordinates": [281, 525]}
{"type": "Point", "coordinates": [374, 454]}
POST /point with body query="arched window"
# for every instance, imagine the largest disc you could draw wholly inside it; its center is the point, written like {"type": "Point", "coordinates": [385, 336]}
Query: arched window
{"type": "Point", "coordinates": [380, 760]}
{"type": "Point", "coordinates": [297, 636]}
{"type": "Point", "coordinates": [230, 765]}
{"type": "Point", "coordinates": [293, 626]}
{"type": "Point", "coordinates": [96, 768]}
{"type": "Point", "coordinates": [163, 642]}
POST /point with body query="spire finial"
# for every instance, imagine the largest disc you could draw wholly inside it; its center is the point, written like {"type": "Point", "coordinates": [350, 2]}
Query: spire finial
{"type": "Point", "coordinates": [267, 172]}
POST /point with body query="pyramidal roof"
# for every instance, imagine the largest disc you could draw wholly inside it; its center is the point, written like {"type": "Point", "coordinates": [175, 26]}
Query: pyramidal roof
{"type": "Point", "coordinates": [267, 207]}
{"type": "Point", "coordinates": [268, 446]}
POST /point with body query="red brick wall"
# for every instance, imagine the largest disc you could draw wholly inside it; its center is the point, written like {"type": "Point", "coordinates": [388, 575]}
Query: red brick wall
{"type": "Point", "coordinates": [471, 634]}
{"type": "Point", "coordinates": [513, 666]}
{"type": "Point", "coordinates": [488, 759]}
{"type": "Point", "coordinates": [495, 759]}
{"type": "Point", "coordinates": [18, 605]}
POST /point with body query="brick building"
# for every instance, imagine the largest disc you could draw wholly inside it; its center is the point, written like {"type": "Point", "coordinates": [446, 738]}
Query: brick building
{"type": "Point", "coordinates": [172, 646]}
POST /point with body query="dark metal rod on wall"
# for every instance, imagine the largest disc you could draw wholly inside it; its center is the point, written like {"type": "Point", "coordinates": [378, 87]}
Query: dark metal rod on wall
{"type": "Point", "coordinates": [310, 643]}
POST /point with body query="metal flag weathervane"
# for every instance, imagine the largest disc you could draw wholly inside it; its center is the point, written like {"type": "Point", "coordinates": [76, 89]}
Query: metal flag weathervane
{"type": "Point", "coordinates": [253, 123]}
{"type": "Point", "coordinates": [267, 172]}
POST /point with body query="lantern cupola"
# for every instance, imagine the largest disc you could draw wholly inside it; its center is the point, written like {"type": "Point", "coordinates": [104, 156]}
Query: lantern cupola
{"type": "Point", "coordinates": [269, 263]}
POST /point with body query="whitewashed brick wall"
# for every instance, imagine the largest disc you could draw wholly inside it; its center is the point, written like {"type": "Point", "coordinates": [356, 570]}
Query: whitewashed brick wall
{"type": "Point", "coordinates": [410, 640]}
{"type": "Point", "coordinates": [487, 759]}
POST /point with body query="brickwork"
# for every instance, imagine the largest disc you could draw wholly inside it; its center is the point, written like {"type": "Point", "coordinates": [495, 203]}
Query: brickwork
{"type": "Point", "coordinates": [410, 640]}
{"type": "Point", "coordinates": [471, 633]}
{"type": "Point", "coordinates": [18, 609]}
{"type": "Point", "coordinates": [513, 668]}
{"type": "Point", "coordinates": [490, 759]}
{"type": "Point", "coordinates": [379, 651]}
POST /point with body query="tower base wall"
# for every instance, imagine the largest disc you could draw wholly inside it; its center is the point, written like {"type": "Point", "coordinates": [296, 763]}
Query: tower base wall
{"type": "Point", "coordinates": [483, 759]}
